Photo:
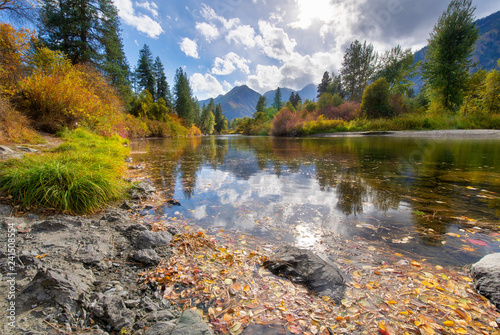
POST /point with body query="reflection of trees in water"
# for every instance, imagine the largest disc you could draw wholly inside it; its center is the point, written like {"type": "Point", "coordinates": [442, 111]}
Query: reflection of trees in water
{"type": "Point", "coordinates": [350, 192]}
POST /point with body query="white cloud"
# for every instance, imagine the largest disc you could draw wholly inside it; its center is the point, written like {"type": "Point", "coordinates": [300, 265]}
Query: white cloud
{"type": "Point", "coordinates": [314, 10]}
{"type": "Point", "coordinates": [205, 86]}
{"type": "Point", "coordinates": [266, 78]}
{"type": "Point", "coordinates": [143, 23]}
{"type": "Point", "coordinates": [189, 47]}
{"type": "Point", "coordinates": [208, 30]}
{"type": "Point", "coordinates": [275, 42]}
{"type": "Point", "coordinates": [228, 64]}
{"type": "Point", "coordinates": [210, 15]}
{"type": "Point", "coordinates": [242, 35]}
{"type": "Point", "coordinates": [150, 7]}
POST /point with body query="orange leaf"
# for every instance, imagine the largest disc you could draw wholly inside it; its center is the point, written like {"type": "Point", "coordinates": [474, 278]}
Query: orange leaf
{"type": "Point", "coordinates": [294, 328]}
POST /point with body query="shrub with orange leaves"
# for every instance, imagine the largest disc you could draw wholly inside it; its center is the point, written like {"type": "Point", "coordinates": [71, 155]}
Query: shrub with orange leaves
{"type": "Point", "coordinates": [58, 94]}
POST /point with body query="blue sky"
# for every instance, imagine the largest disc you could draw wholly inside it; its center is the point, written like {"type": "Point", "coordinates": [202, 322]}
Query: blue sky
{"type": "Point", "coordinates": [269, 43]}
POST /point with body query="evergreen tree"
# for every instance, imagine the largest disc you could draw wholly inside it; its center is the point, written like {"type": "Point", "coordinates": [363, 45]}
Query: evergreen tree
{"type": "Point", "coordinates": [277, 102]}
{"type": "Point", "coordinates": [260, 108]}
{"type": "Point", "coordinates": [448, 56]}
{"type": "Point", "coordinates": [336, 88]}
{"type": "Point", "coordinates": [196, 111]}
{"type": "Point", "coordinates": [295, 99]}
{"type": "Point", "coordinates": [210, 108]}
{"type": "Point", "coordinates": [145, 71]}
{"type": "Point", "coordinates": [87, 31]}
{"type": "Point", "coordinates": [161, 85]}
{"type": "Point", "coordinates": [183, 98]}
{"type": "Point", "coordinates": [325, 82]}
{"type": "Point", "coordinates": [209, 123]}
{"type": "Point", "coordinates": [357, 69]}
{"type": "Point", "coordinates": [220, 119]}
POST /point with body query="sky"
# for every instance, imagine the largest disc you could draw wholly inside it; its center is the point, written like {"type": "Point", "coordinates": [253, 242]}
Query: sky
{"type": "Point", "coordinates": [267, 44]}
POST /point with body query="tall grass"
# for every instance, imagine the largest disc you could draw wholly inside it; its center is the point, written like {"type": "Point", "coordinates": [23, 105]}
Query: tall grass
{"type": "Point", "coordinates": [80, 176]}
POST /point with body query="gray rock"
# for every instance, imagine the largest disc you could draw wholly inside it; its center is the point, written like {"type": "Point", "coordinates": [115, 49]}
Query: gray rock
{"type": "Point", "coordinates": [5, 210]}
{"type": "Point", "coordinates": [160, 328]}
{"type": "Point", "coordinates": [146, 256]}
{"type": "Point", "coordinates": [5, 150]}
{"type": "Point", "coordinates": [116, 216]}
{"type": "Point", "coordinates": [26, 149]}
{"type": "Point", "coordinates": [111, 309]}
{"type": "Point", "coordinates": [53, 285]}
{"type": "Point", "coordinates": [163, 315]}
{"type": "Point", "coordinates": [132, 303]}
{"type": "Point", "coordinates": [191, 323]}
{"type": "Point", "coordinates": [486, 274]}
{"type": "Point", "coordinates": [305, 267]}
{"type": "Point", "coordinates": [149, 239]}
{"type": "Point", "coordinates": [149, 305]}
{"type": "Point", "coordinates": [92, 249]}
{"type": "Point", "coordinates": [141, 190]}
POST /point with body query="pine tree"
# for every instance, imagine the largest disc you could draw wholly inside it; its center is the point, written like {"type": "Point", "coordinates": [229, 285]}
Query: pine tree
{"type": "Point", "coordinates": [145, 71]}
{"type": "Point", "coordinates": [161, 85]}
{"type": "Point", "coordinates": [358, 68]}
{"type": "Point", "coordinates": [87, 31]}
{"type": "Point", "coordinates": [220, 119]}
{"type": "Point", "coordinates": [447, 60]}
{"type": "Point", "coordinates": [183, 98]}
{"type": "Point", "coordinates": [325, 82]}
{"type": "Point", "coordinates": [277, 102]}
{"type": "Point", "coordinates": [295, 99]}
{"type": "Point", "coordinates": [210, 108]}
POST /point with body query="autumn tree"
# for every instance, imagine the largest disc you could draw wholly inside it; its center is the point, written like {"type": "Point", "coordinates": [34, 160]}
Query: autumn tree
{"type": "Point", "coordinates": [277, 102]}
{"type": "Point", "coordinates": [358, 68]}
{"type": "Point", "coordinates": [448, 56]}
{"type": "Point", "coordinates": [398, 68]}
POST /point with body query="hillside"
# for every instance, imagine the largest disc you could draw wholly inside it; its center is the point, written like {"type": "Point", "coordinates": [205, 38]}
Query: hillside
{"type": "Point", "coordinates": [237, 103]}
{"type": "Point", "coordinates": [308, 92]}
{"type": "Point", "coordinates": [487, 47]}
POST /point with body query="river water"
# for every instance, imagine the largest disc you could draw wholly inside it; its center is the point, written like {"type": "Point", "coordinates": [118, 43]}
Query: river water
{"type": "Point", "coordinates": [437, 199]}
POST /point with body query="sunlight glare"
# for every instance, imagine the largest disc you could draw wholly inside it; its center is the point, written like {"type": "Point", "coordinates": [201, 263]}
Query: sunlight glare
{"type": "Point", "coordinates": [311, 10]}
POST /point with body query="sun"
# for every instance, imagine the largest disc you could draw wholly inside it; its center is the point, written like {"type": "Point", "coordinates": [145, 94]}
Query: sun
{"type": "Point", "coordinates": [313, 10]}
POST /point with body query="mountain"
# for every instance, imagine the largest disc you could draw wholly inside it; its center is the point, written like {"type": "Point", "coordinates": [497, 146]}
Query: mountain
{"type": "Point", "coordinates": [242, 100]}
{"type": "Point", "coordinates": [309, 92]}
{"type": "Point", "coordinates": [487, 47]}
{"type": "Point", "coordinates": [237, 103]}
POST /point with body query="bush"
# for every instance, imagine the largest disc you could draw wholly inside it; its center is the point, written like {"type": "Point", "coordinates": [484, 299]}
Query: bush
{"type": "Point", "coordinates": [70, 96]}
{"type": "Point", "coordinates": [15, 127]}
{"type": "Point", "coordinates": [375, 101]}
{"type": "Point", "coordinates": [81, 176]}
{"type": "Point", "coordinates": [285, 123]}
{"type": "Point", "coordinates": [347, 111]}
{"type": "Point", "coordinates": [322, 126]}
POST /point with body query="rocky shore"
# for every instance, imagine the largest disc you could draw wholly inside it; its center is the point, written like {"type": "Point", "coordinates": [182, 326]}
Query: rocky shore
{"type": "Point", "coordinates": [65, 274]}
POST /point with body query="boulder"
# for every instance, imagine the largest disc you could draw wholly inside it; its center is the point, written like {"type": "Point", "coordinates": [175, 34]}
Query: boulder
{"type": "Point", "coordinates": [5, 150]}
{"type": "Point", "coordinates": [305, 267]}
{"type": "Point", "coordinates": [191, 323]}
{"type": "Point", "coordinates": [111, 309]}
{"type": "Point", "coordinates": [486, 274]}
{"type": "Point", "coordinates": [149, 239]}
{"type": "Point", "coordinates": [56, 286]}
{"type": "Point", "coordinates": [141, 190]}
{"type": "Point", "coordinates": [146, 257]}
{"type": "Point", "coordinates": [160, 328]}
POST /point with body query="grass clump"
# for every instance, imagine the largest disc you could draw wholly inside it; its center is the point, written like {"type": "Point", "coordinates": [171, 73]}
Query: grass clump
{"type": "Point", "coordinates": [81, 176]}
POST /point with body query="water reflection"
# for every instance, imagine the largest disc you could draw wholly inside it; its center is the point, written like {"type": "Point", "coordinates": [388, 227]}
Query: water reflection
{"type": "Point", "coordinates": [286, 189]}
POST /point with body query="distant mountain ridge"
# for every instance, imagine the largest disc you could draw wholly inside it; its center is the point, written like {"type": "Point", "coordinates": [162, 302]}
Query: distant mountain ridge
{"type": "Point", "coordinates": [242, 100]}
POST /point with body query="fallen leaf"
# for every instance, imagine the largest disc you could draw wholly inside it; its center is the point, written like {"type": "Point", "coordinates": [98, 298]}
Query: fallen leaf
{"type": "Point", "coordinates": [449, 323]}
{"type": "Point", "coordinates": [294, 328]}
{"type": "Point", "coordinates": [477, 242]}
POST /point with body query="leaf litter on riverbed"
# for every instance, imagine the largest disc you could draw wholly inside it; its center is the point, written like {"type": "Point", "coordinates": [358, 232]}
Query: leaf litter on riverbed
{"type": "Point", "coordinates": [229, 287]}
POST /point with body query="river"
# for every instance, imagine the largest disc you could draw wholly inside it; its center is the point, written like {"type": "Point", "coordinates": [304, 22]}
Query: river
{"type": "Point", "coordinates": [435, 198]}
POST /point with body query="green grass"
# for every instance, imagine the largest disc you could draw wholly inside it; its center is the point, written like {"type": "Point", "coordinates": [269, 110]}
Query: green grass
{"type": "Point", "coordinates": [80, 176]}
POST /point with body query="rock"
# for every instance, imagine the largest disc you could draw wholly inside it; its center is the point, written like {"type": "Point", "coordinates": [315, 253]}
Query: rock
{"type": "Point", "coordinates": [92, 249]}
{"type": "Point", "coordinates": [56, 224]}
{"type": "Point", "coordinates": [164, 315]}
{"type": "Point", "coordinates": [146, 256]}
{"type": "Point", "coordinates": [304, 267]}
{"type": "Point", "coordinates": [111, 309]}
{"type": "Point", "coordinates": [141, 190]}
{"type": "Point", "coordinates": [149, 239]}
{"type": "Point", "coordinates": [160, 328]}
{"type": "Point", "coordinates": [486, 274]}
{"type": "Point", "coordinates": [116, 216]}
{"type": "Point", "coordinates": [5, 150]}
{"type": "Point", "coordinates": [173, 202]}
{"type": "Point", "coordinates": [26, 149]}
{"type": "Point", "coordinates": [5, 210]}
{"type": "Point", "coordinates": [191, 323]}
{"type": "Point", "coordinates": [149, 305]}
{"type": "Point", "coordinates": [53, 285]}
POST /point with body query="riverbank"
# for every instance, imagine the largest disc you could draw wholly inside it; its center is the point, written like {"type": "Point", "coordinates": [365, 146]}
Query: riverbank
{"type": "Point", "coordinates": [456, 133]}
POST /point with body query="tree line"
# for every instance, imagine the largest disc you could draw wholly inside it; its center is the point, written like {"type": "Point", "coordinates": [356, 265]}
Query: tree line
{"type": "Point", "coordinates": [87, 33]}
{"type": "Point", "coordinates": [371, 86]}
